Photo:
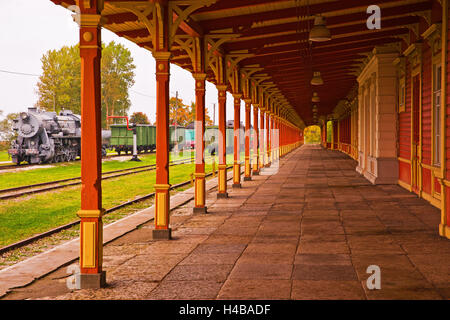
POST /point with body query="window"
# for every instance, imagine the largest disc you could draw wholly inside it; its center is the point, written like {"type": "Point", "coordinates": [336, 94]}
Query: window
{"type": "Point", "coordinates": [437, 114]}
{"type": "Point", "coordinates": [401, 95]}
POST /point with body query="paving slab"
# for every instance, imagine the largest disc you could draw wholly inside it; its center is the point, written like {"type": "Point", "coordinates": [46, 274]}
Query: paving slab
{"type": "Point", "coordinates": [309, 231]}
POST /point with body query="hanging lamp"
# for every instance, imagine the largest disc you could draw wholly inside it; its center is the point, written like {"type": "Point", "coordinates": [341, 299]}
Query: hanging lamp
{"type": "Point", "coordinates": [319, 32]}
{"type": "Point", "coordinates": [317, 79]}
{"type": "Point", "coordinates": [315, 97]}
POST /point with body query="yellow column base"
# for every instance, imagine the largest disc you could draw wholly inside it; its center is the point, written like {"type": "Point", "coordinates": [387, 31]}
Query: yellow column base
{"type": "Point", "coordinates": [444, 231]}
{"type": "Point", "coordinates": [199, 195]}
{"type": "Point", "coordinates": [162, 206]}
{"type": "Point", "coordinates": [248, 169]}
{"type": "Point", "coordinates": [236, 175]}
{"type": "Point", "coordinates": [222, 181]}
{"type": "Point", "coordinates": [91, 240]}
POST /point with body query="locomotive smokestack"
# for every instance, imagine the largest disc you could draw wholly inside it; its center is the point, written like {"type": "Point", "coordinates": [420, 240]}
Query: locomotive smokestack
{"type": "Point", "coordinates": [32, 109]}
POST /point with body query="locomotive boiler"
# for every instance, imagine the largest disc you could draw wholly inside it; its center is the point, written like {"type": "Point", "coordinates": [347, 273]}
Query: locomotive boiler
{"type": "Point", "coordinates": [44, 137]}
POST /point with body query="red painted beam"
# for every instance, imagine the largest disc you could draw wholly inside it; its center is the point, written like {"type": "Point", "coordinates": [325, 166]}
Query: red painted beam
{"type": "Point", "coordinates": [358, 28]}
{"type": "Point", "coordinates": [247, 20]}
{"type": "Point", "coordinates": [360, 17]}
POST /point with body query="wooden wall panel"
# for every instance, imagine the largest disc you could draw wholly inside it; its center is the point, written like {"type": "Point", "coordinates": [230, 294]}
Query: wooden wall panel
{"type": "Point", "coordinates": [426, 105]}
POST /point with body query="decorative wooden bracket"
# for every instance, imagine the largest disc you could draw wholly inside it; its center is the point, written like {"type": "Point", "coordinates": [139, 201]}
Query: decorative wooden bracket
{"type": "Point", "coordinates": [148, 13]}
{"type": "Point", "coordinates": [246, 74]}
{"type": "Point", "coordinates": [232, 69]}
{"type": "Point", "coordinates": [213, 57]}
{"type": "Point", "coordinates": [183, 9]}
{"type": "Point", "coordinates": [433, 36]}
{"type": "Point", "coordinates": [193, 47]}
{"type": "Point", "coordinates": [424, 14]}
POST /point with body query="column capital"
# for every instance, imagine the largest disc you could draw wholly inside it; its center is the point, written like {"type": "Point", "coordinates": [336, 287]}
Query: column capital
{"type": "Point", "coordinates": [162, 55]}
{"type": "Point", "coordinates": [199, 76]}
{"type": "Point", "coordinates": [89, 20]}
{"type": "Point", "coordinates": [237, 95]}
{"type": "Point", "coordinates": [221, 87]}
{"type": "Point", "coordinates": [248, 101]}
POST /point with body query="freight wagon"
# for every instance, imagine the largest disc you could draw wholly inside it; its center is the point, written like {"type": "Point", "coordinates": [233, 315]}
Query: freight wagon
{"type": "Point", "coordinates": [122, 138]}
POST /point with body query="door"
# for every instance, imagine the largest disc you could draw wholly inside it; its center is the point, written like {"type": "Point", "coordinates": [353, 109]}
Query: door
{"type": "Point", "coordinates": [415, 163]}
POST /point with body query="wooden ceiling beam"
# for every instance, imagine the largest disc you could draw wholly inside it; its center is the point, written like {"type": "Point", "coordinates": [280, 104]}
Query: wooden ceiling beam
{"type": "Point", "coordinates": [246, 20]}
{"type": "Point", "coordinates": [258, 44]}
{"type": "Point", "coordinates": [354, 18]}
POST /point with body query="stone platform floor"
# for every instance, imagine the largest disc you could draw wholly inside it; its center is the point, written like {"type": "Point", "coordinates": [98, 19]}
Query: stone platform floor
{"type": "Point", "coordinates": [308, 232]}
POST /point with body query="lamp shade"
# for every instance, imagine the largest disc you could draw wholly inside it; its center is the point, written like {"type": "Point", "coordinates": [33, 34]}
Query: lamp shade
{"type": "Point", "coordinates": [315, 97]}
{"type": "Point", "coordinates": [320, 31]}
{"type": "Point", "coordinates": [317, 79]}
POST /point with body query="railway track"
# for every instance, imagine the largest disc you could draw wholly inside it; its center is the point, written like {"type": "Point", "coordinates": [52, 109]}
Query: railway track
{"type": "Point", "coordinates": [46, 234]}
{"type": "Point", "coordinates": [11, 193]}
{"type": "Point", "coordinates": [15, 166]}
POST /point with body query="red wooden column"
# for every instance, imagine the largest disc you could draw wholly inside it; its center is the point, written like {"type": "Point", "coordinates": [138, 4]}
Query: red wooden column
{"type": "Point", "coordinates": [237, 151]}
{"type": "Point", "coordinates": [199, 195]}
{"type": "Point", "coordinates": [267, 140]}
{"type": "Point", "coordinates": [277, 128]}
{"type": "Point", "coordinates": [162, 197]}
{"type": "Point", "coordinates": [281, 138]}
{"type": "Point", "coordinates": [91, 225]}
{"type": "Point", "coordinates": [255, 168]}
{"type": "Point", "coordinates": [261, 139]}
{"type": "Point", "coordinates": [248, 168]}
{"type": "Point", "coordinates": [222, 111]}
{"type": "Point", "coordinates": [272, 136]}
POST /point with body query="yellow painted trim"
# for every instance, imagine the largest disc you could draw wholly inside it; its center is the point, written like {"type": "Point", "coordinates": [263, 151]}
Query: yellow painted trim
{"type": "Point", "coordinates": [447, 232]}
{"type": "Point", "coordinates": [161, 208]}
{"type": "Point", "coordinates": [161, 187]}
{"type": "Point", "coordinates": [199, 174]}
{"type": "Point", "coordinates": [89, 245]}
{"type": "Point", "coordinates": [435, 202]}
{"type": "Point", "coordinates": [427, 166]}
{"type": "Point", "coordinates": [446, 182]}
{"type": "Point", "coordinates": [416, 71]}
{"type": "Point", "coordinates": [200, 192]}
{"type": "Point", "coordinates": [444, 49]}
{"type": "Point", "coordinates": [405, 185]}
{"type": "Point", "coordinates": [91, 213]}
{"type": "Point", "coordinates": [404, 160]}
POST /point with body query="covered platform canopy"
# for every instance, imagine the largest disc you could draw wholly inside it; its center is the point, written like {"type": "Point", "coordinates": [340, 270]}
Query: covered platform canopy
{"type": "Point", "coordinates": [298, 63]}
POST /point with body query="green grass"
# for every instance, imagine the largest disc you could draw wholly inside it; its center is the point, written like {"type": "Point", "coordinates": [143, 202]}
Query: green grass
{"type": "Point", "coordinates": [21, 218]}
{"type": "Point", "coordinates": [4, 156]}
{"type": "Point", "coordinates": [71, 170]}
{"type": "Point", "coordinates": [67, 170]}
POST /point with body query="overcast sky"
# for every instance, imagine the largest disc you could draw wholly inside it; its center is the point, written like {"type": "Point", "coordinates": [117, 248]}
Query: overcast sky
{"type": "Point", "coordinates": [29, 28]}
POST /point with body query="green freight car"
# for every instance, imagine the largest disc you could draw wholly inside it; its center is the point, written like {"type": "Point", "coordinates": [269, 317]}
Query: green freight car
{"type": "Point", "coordinates": [177, 138]}
{"type": "Point", "coordinates": [122, 138]}
{"type": "Point", "coordinates": [212, 139]}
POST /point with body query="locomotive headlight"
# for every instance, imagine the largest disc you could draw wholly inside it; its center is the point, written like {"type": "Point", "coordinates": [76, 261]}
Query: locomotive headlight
{"type": "Point", "coordinates": [33, 143]}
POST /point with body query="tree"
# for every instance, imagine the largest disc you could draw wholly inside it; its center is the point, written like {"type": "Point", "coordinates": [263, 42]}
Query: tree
{"type": "Point", "coordinates": [59, 86]}
{"type": "Point", "coordinates": [117, 78]}
{"type": "Point", "coordinates": [182, 114]}
{"type": "Point", "coordinates": [178, 112]}
{"type": "Point", "coordinates": [139, 118]}
{"type": "Point", "coordinates": [208, 120]}
{"type": "Point", "coordinates": [6, 127]}
{"type": "Point", "coordinates": [312, 135]}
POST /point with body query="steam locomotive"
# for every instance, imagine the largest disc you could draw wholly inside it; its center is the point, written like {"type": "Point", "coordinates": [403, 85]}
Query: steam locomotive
{"type": "Point", "coordinates": [46, 137]}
